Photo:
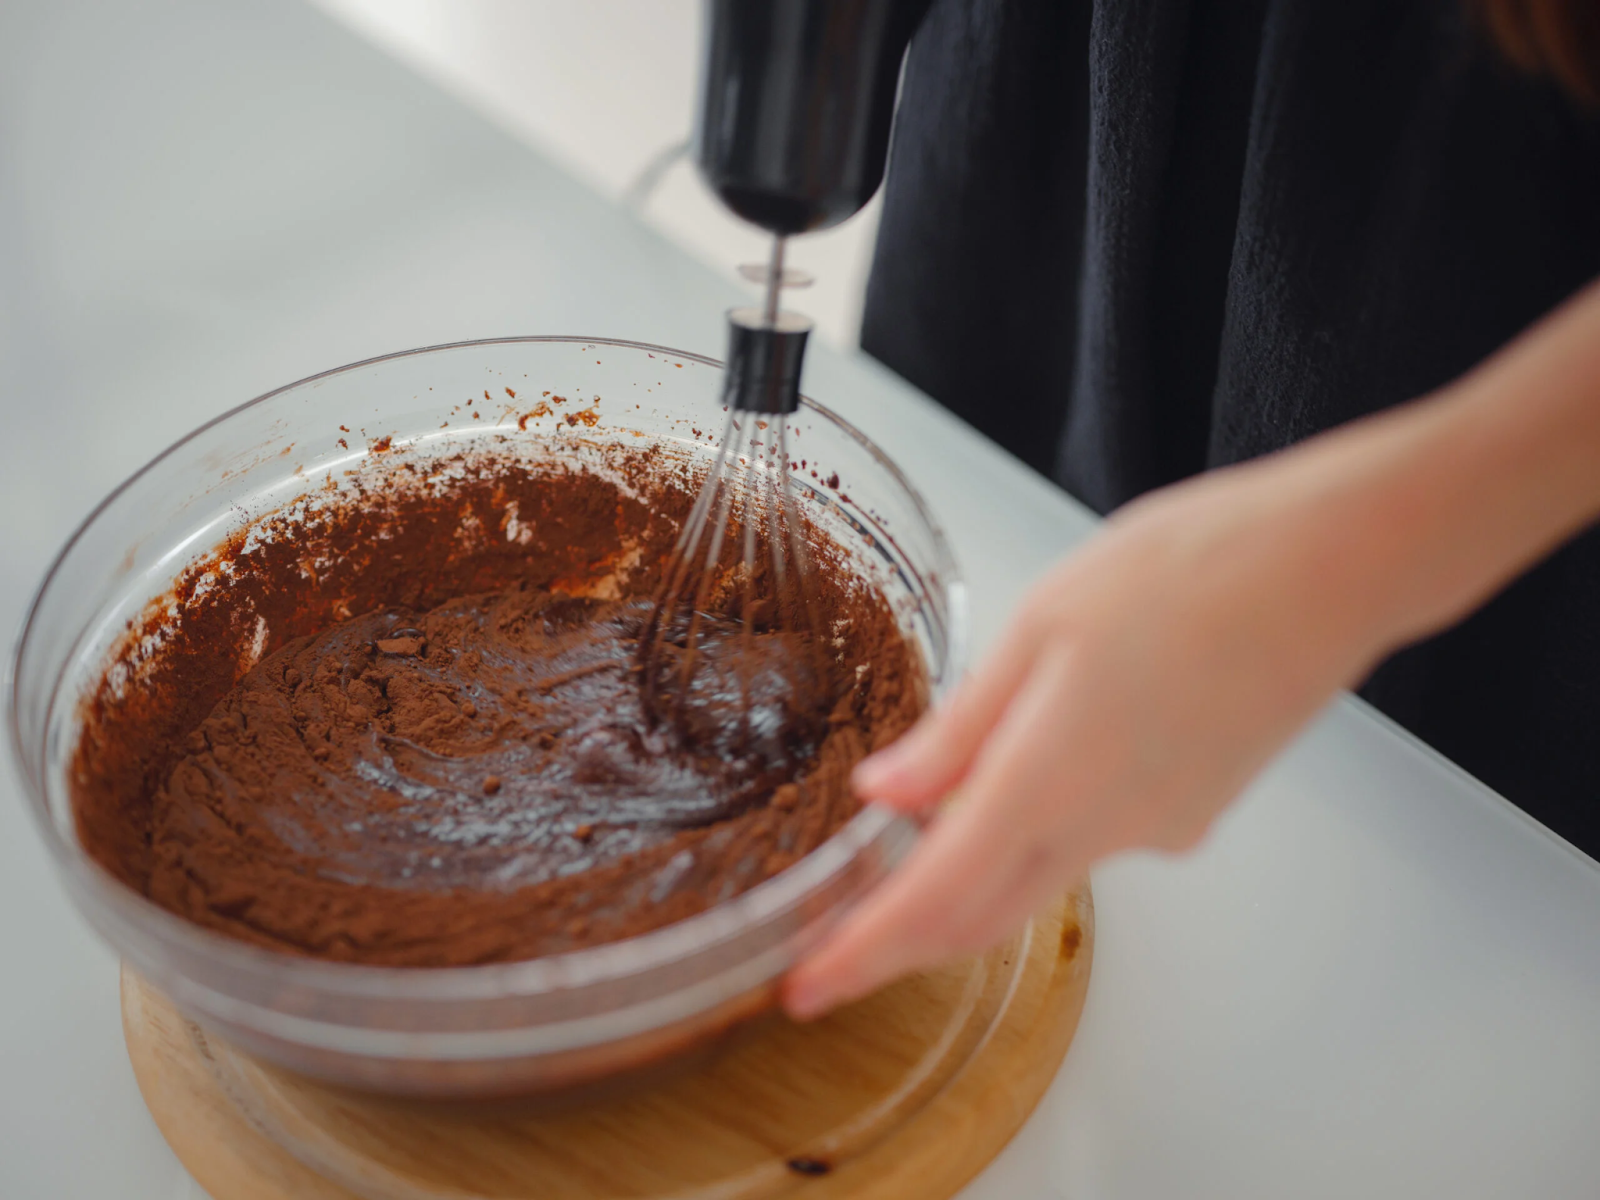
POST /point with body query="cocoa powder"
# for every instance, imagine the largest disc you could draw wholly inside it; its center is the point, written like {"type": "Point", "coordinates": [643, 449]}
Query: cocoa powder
{"type": "Point", "coordinates": [402, 723]}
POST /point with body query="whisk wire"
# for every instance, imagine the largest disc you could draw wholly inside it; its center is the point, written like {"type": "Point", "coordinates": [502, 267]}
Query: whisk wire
{"type": "Point", "coordinates": [677, 573]}
{"type": "Point", "coordinates": [747, 608]}
{"type": "Point", "coordinates": [796, 542]}
{"type": "Point", "coordinates": [724, 505]}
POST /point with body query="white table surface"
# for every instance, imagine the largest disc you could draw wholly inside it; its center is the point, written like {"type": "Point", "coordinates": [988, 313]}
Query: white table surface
{"type": "Point", "coordinates": [1375, 979]}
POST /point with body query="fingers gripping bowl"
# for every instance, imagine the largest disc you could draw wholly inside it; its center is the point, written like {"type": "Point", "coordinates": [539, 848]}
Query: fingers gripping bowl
{"type": "Point", "coordinates": [544, 1023]}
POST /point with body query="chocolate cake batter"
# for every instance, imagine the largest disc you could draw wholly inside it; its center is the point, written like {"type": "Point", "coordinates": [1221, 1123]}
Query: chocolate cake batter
{"type": "Point", "coordinates": [462, 771]}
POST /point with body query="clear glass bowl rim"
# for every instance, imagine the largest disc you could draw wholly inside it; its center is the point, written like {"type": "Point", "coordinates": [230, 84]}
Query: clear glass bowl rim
{"type": "Point", "coordinates": [574, 969]}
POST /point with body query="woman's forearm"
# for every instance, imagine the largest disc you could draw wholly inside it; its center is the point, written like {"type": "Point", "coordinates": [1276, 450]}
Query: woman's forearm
{"type": "Point", "coordinates": [1392, 527]}
{"type": "Point", "coordinates": [1492, 473]}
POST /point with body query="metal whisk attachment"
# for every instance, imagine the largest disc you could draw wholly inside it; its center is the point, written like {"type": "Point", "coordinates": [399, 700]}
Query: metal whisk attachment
{"type": "Point", "coordinates": [743, 548]}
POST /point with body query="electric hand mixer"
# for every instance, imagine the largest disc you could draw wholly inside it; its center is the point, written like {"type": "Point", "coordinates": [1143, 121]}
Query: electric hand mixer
{"type": "Point", "coordinates": [796, 102]}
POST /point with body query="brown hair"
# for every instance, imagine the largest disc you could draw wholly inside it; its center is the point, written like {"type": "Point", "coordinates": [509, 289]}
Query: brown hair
{"type": "Point", "coordinates": [1556, 38]}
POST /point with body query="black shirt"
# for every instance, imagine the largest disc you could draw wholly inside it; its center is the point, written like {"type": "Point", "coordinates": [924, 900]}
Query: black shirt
{"type": "Point", "coordinates": [1132, 239]}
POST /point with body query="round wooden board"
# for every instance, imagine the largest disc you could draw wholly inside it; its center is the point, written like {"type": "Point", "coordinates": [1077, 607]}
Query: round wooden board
{"type": "Point", "coordinates": [910, 1092]}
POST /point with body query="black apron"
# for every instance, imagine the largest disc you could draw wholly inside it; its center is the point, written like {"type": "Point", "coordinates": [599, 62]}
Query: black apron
{"type": "Point", "coordinates": [1132, 239]}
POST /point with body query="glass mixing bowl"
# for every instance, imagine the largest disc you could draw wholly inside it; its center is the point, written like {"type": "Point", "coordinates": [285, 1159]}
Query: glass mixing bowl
{"type": "Point", "coordinates": [544, 1025]}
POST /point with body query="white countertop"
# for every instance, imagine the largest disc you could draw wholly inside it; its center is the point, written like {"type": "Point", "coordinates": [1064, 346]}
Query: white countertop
{"type": "Point", "coordinates": [1375, 979]}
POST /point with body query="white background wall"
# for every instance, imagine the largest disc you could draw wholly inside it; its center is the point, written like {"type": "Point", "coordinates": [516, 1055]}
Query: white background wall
{"type": "Point", "coordinates": [606, 87]}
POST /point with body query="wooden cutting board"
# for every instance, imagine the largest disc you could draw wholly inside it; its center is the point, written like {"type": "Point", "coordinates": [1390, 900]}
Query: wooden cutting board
{"type": "Point", "coordinates": [910, 1092]}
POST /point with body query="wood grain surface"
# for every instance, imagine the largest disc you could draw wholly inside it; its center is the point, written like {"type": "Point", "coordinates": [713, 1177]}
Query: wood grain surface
{"type": "Point", "coordinates": [910, 1092]}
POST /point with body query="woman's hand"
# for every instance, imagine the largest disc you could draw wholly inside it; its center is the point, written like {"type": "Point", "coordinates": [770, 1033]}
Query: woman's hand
{"type": "Point", "coordinates": [1150, 676]}
{"type": "Point", "coordinates": [1140, 686]}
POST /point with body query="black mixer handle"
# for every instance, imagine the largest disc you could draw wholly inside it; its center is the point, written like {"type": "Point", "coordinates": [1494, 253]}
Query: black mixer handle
{"type": "Point", "coordinates": [795, 105]}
